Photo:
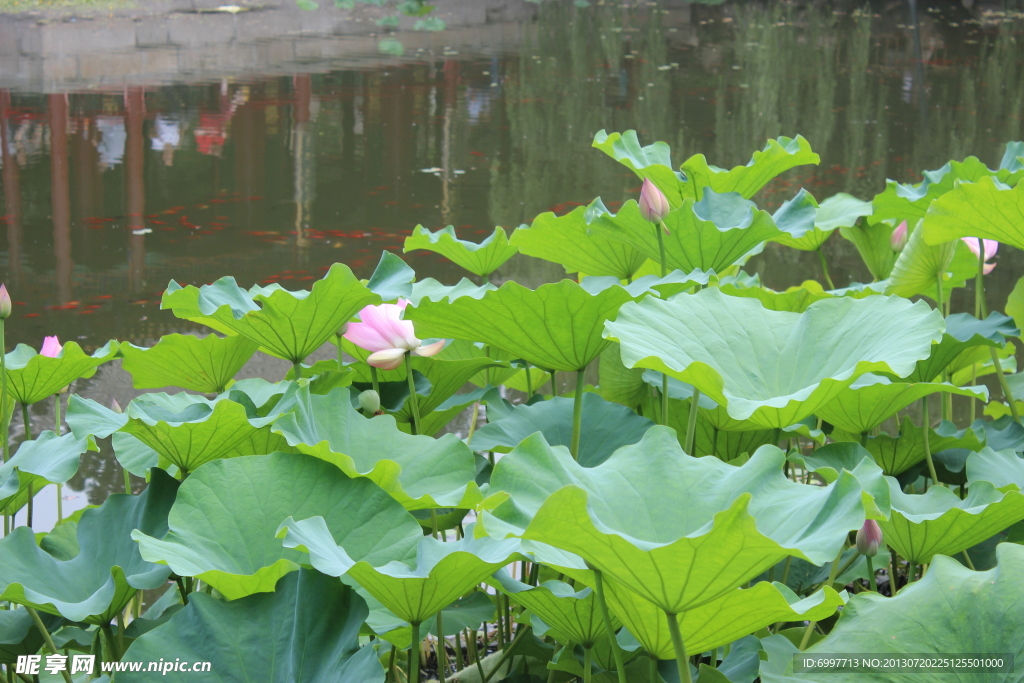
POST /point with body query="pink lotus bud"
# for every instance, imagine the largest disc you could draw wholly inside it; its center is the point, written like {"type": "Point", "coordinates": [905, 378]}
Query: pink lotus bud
{"type": "Point", "coordinates": [115, 406]}
{"type": "Point", "coordinates": [5, 303]}
{"type": "Point", "coordinates": [869, 538]}
{"type": "Point", "coordinates": [990, 247]}
{"type": "Point", "coordinates": [51, 347]}
{"type": "Point", "coordinates": [899, 237]}
{"type": "Point", "coordinates": [653, 204]}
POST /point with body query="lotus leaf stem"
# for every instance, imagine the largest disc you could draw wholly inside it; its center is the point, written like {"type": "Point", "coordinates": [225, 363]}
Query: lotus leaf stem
{"type": "Point", "coordinates": [181, 589]}
{"type": "Point", "coordinates": [577, 415]}
{"type": "Point", "coordinates": [620, 669]}
{"type": "Point", "coordinates": [414, 406]}
{"type": "Point", "coordinates": [433, 523]}
{"type": "Point", "coordinates": [554, 391]}
{"type": "Point", "coordinates": [297, 370]}
{"type": "Point", "coordinates": [47, 638]}
{"type": "Point", "coordinates": [60, 487]}
{"type": "Point", "coordinates": [927, 446]}
{"type": "Point", "coordinates": [587, 673]}
{"type": "Point", "coordinates": [691, 423]}
{"type": "Point", "coordinates": [970, 564]}
{"type": "Point", "coordinates": [833, 572]}
{"type": "Point", "coordinates": [473, 418]}
{"type": "Point", "coordinates": [529, 383]}
{"type": "Point", "coordinates": [680, 648]}
{"type": "Point", "coordinates": [458, 651]}
{"type": "Point", "coordinates": [390, 676]}
{"type": "Point", "coordinates": [1007, 394]}
{"type": "Point", "coordinates": [127, 480]}
{"type": "Point", "coordinates": [785, 568]}
{"type": "Point", "coordinates": [414, 654]}
{"type": "Point", "coordinates": [108, 638]}
{"type": "Point", "coordinates": [911, 571]}
{"type": "Point", "coordinates": [871, 575]}
{"type": "Point", "coordinates": [824, 268]}
{"type": "Point", "coordinates": [664, 399]}
{"type": "Point", "coordinates": [28, 436]}
{"type": "Point", "coordinates": [474, 652]}
{"type": "Point", "coordinates": [652, 669]}
{"type": "Point", "coordinates": [442, 656]}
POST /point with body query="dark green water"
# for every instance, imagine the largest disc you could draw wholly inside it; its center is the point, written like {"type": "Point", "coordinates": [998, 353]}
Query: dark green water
{"type": "Point", "coordinates": [113, 187]}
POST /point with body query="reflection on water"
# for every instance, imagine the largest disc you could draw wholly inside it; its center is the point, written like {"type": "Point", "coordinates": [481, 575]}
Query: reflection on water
{"type": "Point", "coordinates": [113, 188]}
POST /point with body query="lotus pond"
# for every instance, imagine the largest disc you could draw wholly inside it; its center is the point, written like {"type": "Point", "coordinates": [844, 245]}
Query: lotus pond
{"type": "Point", "coordinates": [738, 475]}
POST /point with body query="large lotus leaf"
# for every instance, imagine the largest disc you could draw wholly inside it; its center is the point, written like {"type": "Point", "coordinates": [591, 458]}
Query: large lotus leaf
{"type": "Point", "coordinates": [224, 521]}
{"type": "Point", "coordinates": [918, 266]}
{"type": "Point", "coordinates": [306, 631]}
{"type": "Point", "coordinates": [806, 225]}
{"type": "Point", "coordinates": [950, 610]}
{"type": "Point", "coordinates": [897, 454]}
{"type": "Point", "coordinates": [480, 259]}
{"type": "Point", "coordinates": [731, 616]}
{"type": "Point", "coordinates": [987, 209]}
{"type": "Point", "coordinates": [564, 240]}
{"type": "Point", "coordinates": [414, 589]}
{"type": "Point", "coordinates": [206, 364]}
{"type": "Point", "coordinates": [999, 468]}
{"type": "Point", "coordinates": [872, 399]}
{"type": "Point", "coordinates": [419, 471]}
{"type": "Point", "coordinates": [774, 368]}
{"type": "Point", "coordinates": [677, 530]}
{"type": "Point", "coordinates": [796, 299]}
{"type": "Point", "coordinates": [102, 578]}
{"type": "Point", "coordinates": [605, 428]}
{"type": "Point", "coordinates": [941, 523]}
{"type": "Point", "coordinates": [712, 234]}
{"type": "Point", "coordinates": [285, 324]}
{"type": "Point", "coordinates": [872, 240]}
{"type": "Point", "coordinates": [963, 331]}
{"type": "Point", "coordinates": [653, 162]}
{"type": "Point", "coordinates": [31, 376]}
{"type": "Point", "coordinates": [190, 430]}
{"type": "Point", "coordinates": [572, 616]}
{"type": "Point", "coordinates": [910, 202]}
{"type": "Point", "coordinates": [54, 458]}
{"type": "Point", "coordinates": [778, 156]}
{"type": "Point", "coordinates": [557, 326]}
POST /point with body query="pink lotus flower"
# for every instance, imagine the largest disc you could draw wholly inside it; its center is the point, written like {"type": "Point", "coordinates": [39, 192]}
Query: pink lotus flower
{"type": "Point", "coordinates": [899, 237]}
{"type": "Point", "coordinates": [654, 205]}
{"type": "Point", "coordinates": [990, 246]}
{"type": "Point", "coordinates": [51, 347]}
{"type": "Point", "coordinates": [869, 538]}
{"type": "Point", "coordinates": [388, 337]}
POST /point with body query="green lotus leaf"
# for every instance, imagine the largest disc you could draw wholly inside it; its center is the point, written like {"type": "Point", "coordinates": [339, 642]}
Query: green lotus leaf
{"type": "Point", "coordinates": [467, 612]}
{"type": "Point", "coordinates": [917, 265]}
{"type": "Point", "coordinates": [306, 631]}
{"type": "Point", "coordinates": [480, 259]}
{"type": "Point", "coordinates": [429, 288]}
{"type": "Point", "coordinates": [224, 521]}
{"type": "Point", "coordinates": [806, 225]}
{"type": "Point", "coordinates": [655, 162]}
{"type": "Point", "coordinates": [774, 368]}
{"type": "Point", "coordinates": [415, 589]}
{"type": "Point", "coordinates": [976, 361]}
{"type": "Point", "coordinates": [796, 299]}
{"type": "Point", "coordinates": [619, 383]}
{"type": "Point", "coordinates": [19, 635]}
{"type": "Point", "coordinates": [31, 376]}
{"type": "Point", "coordinates": [16, 488]}
{"type": "Point", "coordinates": [678, 531]}
{"type": "Point", "coordinates": [206, 365]}
{"type": "Point", "coordinates": [999, 468]}
{"type": "Point", "coordinates": [831, 460]}
{"type": "Point", "coordinates": [606, 427]}
{"type": "Point", "coordinates": [419, 471]}
{"type": "Point", "coordinates": [949, 610]}
{"type": "Point", "coordinates": [102, 578]}
{"type": "Point", "coordinates": [502, 372]}
{"type": "Point", "coordinates": [285, 324]}
{"type": "Point", "coordinates": [189, 430]}
{"type": "Point", "coordinates": [963, 331]}
{"type": "Point", "coordinates": [54, 458]}
{"type": "Point", "coordinates": [897, 454]}
{"type": "Point", "coordinates": [873, 399]}
{"type": "Point", "coordinates": [571, 616]}
{"type": "Point", "coordinates": [986, 208]}
{"type": "Point", "coordinates": [1015, 304]}
{"type": "Point", "coordinates": [557, 326]}
{"type": "Point", "coordinates": [731, 616]}
{"type": "Point", "coordinates": [86, 418]}
{"type": "Point", "coordinates": [671, 284]}
{"type": "Point", "coordinates": [941, 523]}
{"type": "Point", "coordinates": [717, 232]}
{"type": "Point", "coordinates": [564, 240]}
{"type": "Point", "coordinates": [872, 239]}
{"type": "Point", "coordinates": [910, 202]}
{"type": "Point", "coordinates": [392, 278]}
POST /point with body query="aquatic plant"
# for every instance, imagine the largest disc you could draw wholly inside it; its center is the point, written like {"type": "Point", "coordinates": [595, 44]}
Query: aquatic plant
{"type": "Point", "coordinates": [732, 467]}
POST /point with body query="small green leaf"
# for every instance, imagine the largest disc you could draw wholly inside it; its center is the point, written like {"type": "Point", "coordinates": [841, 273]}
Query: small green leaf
{"type": "Point", "coordinates": [480, 259]}
{"type": "Point", "coordinates": [392, 278]}
{"type": "Point", "coordinates": [987, 209]}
